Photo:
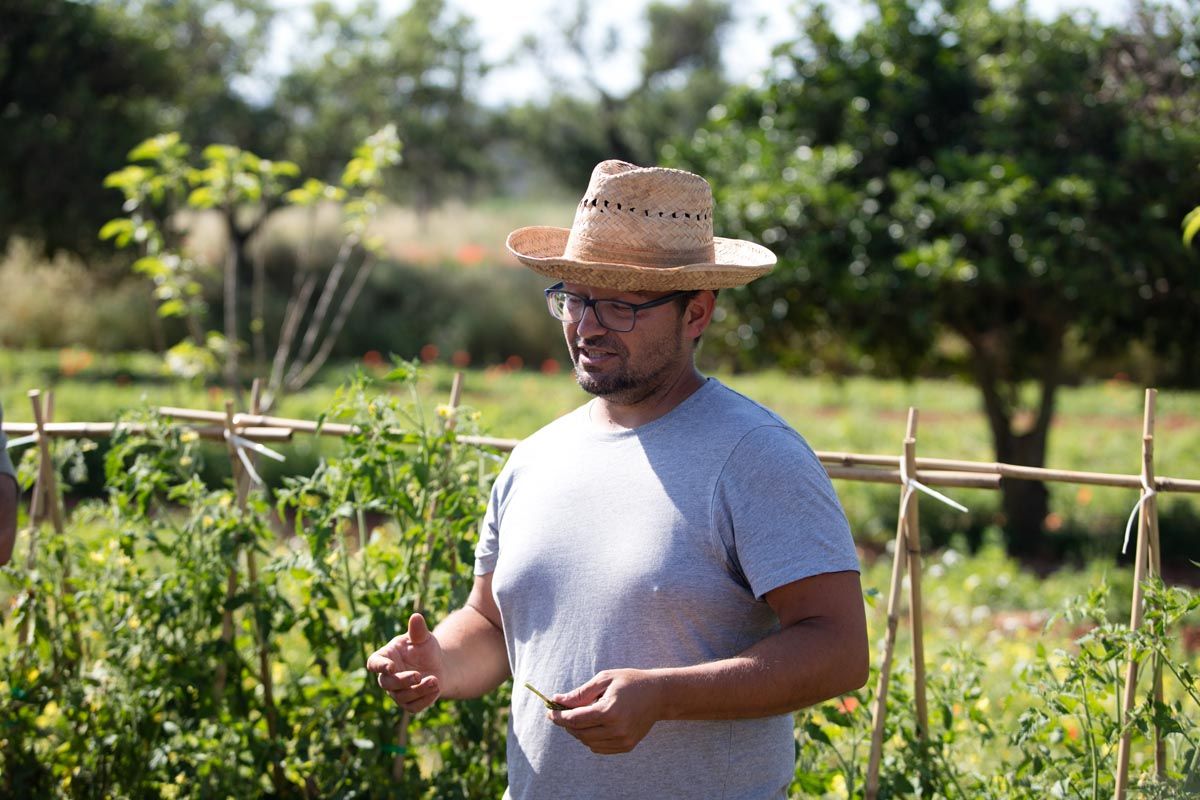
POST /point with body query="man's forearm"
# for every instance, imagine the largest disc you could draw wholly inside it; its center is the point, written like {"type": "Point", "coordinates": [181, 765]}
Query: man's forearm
{"type": "Point", "coordinates": [8, 517]}
{"type": "Point", "coordinates": [803, 664]}
{"type": "Point", "coordinates": [475, 654]}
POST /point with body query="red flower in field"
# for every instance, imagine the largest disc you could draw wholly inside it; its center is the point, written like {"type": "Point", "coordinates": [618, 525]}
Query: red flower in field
{"type": "Point", "coordinates": [514, 363]}
{"type": "Point", "coordinates": [72, 361]}
{"type": "Point", "coordinates": [372, 358]}
{"type": "Point", "coordinates": [470, 255]}
{"type": "Point", "coordinates": [1053, 521]}
{"type": "Point", "coordinates": [846, 705]}
{"type": "Point", "coordinates": [550, 367]}
{"type": "Point", "coordinates": [429, 353]}
{"type": "Point", "coordinates": [461, 358]}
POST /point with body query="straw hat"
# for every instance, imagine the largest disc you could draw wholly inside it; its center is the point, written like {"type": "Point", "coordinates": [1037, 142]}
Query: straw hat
{"type": "Point", "coordinates": [642, 229]}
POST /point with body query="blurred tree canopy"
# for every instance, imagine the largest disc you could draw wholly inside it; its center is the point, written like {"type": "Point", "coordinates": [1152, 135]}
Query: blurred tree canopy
{"type": "Point", "coordinates": [418, 70]}
{"type": "Point", "coordinates": [77, 89]}
{"type": "Point", "coordinates": [681, 76]}
{"type": "Point", "coordinates": [960, 170]}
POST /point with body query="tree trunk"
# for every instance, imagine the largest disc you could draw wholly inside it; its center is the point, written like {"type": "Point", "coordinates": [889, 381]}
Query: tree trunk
{"type": "Point", "coordinates": [1019, 437]}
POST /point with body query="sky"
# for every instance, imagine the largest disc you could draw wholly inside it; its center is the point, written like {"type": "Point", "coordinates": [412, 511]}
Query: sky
{"type": "Point", "coordinates": [502, 25]}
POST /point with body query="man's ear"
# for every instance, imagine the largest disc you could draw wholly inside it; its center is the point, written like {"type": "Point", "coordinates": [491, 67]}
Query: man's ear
{"type": "Point", "coordinates": [699, 313]}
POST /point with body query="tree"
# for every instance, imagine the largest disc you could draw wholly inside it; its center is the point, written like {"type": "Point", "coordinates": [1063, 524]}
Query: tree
{"type": "Point", "coordinates": [417, 70]}
{"type": "Point", "coordinates": [955, 171]}
{"type": "Point", "coordinates": [681, 76]}
{"type": "Point", "coordinates": [161, 186]}
{"type": "Point", "coordinates": [77, 90]}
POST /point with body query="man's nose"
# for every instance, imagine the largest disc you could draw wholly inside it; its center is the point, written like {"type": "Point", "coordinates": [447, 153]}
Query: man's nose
{"type": "Point", "coordinates": [589, 323]}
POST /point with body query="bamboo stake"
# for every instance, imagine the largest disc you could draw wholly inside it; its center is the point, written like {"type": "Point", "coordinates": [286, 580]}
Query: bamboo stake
{"type": "Point", "coordinates": [879, 715]}
{"type": "Point", "coordinates": [231, 582]}
{"type": "Point", "coordinates": [101, 430]}
{"type": "Point", "coordinates": [840, 459]}
{"type": "Point", "coordinates": [968, 480]}
{"type": "Point", "coordinates": [46, 466]}
{"type": "Point", "coordinates": [242, 483]}
{"type": "Point", "coordinates": [328, 429]}
{"type": "Point", "coordinates": [36, 505]}
{"type": "Point", "coordinates": [423, 585]}
{"type": "Point", "coordinates": [1141, 568]}
{"type": "Point", "coordinates": [915, 610]}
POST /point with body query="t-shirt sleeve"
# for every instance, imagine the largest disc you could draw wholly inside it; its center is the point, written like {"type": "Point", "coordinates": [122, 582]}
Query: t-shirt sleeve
{"type": "Point", "coordinates": [488, 548]}
{"type": "Point", "coordinates": [777, 514]}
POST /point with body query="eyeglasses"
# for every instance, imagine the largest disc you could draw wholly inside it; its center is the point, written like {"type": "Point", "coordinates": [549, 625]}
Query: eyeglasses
{"type": "Point", "coordinates": [616, 315]}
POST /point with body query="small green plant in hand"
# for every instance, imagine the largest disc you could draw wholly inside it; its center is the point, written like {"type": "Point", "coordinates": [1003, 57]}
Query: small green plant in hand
{"type": "Point", "coordinates": [550, 704]}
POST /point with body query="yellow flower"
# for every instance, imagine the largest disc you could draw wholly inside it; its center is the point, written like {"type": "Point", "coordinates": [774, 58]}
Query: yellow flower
{"type": "Point", "coordinates": [185, 461]}
{"type": "Point", "coordinates": [189, 436]}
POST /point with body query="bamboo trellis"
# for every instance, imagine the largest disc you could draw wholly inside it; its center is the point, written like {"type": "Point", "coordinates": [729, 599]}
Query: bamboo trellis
{"type": "Point", "coordinates": [907, 470]}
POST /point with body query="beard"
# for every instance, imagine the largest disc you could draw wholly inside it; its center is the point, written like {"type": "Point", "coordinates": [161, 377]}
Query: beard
{"type": "Point", "coordinates": [626, 380]}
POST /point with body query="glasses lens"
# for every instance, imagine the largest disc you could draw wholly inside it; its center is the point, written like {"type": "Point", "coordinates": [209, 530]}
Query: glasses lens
{"type": "Point", "coordinates": [616, 316]}
{"type": "Point", "coordinates": [564, 306]}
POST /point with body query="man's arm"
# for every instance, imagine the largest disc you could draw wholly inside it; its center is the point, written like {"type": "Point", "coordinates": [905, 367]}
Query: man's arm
{"type": "Point", "coordinates": [8, 516]}
{"type": "Point", "coordinates": [819, 652]}
{"type": "Point", "coordinates": [472, 640]}
{"type": "Point", "coordinates": [464, 657]}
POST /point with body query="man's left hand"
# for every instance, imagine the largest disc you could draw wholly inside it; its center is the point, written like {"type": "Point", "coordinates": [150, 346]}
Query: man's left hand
{"type": "Point", "coordinates": [613, 711]}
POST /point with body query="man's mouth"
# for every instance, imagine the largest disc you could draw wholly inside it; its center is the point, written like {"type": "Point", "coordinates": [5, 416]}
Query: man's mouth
{"type": "Point", "coordinates": [593, 356]}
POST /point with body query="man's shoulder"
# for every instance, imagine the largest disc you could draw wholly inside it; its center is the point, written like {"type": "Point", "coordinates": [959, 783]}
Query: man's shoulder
{"type": "Point", "coordinates": [729, 408]}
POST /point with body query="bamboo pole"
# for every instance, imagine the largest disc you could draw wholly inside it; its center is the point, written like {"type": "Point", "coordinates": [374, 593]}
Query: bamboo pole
{"type": "Point", "coordinates": [1140, 571]}
{"type": "Point", "coordinates": [916, 614]}
{"type": "Point", "coordinates": [879, 715]}
{"type": "Point", "coordinates": [308, 426]}
{"type": "Point", "coordinates": [423, 585]}
{"type": "Point", "coordinates": [242, 484]}
{"type": "Point", "coordinates": [848, 461]}
{"type": "Point", "coordinates": [103, 430]}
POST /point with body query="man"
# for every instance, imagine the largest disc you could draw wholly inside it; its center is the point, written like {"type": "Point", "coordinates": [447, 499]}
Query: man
{"type": "Point", "coordinates": [669, 561]}
{"type": "Point", "coordinates": [8, 499]}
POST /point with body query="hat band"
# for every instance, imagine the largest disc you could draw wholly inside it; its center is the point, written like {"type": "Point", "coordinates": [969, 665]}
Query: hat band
{"type": "Point", "coordinates": [580, 248]}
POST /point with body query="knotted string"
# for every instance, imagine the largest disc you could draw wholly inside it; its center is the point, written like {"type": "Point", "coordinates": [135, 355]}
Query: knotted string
{"type": "Point", "coordinates": [24, 440]}
{"type": "Point", "coordinates": [1148, 491]}
{"type": "Point", "coordinates": [911, 483]}
{"type": "Point", "coordinates": [241, 444]}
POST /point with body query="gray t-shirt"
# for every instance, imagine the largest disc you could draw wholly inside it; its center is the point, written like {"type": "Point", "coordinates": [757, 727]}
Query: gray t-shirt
{"type": "Point", "coordinates": [645, 548]}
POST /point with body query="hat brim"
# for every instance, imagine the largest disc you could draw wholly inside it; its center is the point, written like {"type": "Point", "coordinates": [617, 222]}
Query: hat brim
{"type": "Point", "coordinates": [735, 263]}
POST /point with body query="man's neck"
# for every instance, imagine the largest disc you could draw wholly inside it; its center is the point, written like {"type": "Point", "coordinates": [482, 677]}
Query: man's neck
{"type": "Point", "coordinates": [619, 416]}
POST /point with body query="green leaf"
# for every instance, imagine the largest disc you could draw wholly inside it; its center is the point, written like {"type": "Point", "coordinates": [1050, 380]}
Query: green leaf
{"type": "Point", "coordinates": [150, 266]}
{"type": "Point", "coordinates": [172, 308]}
{"type": "Point", "coordinates": [121, 229]}
{"type": "Point", "coordinates": [1191, 225]}
{"type": "Point", "coordinates": [202, 197]}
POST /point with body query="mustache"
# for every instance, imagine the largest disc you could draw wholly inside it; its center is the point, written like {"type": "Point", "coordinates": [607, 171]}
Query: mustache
{"type": "Point", "coordinates": [601, 342]}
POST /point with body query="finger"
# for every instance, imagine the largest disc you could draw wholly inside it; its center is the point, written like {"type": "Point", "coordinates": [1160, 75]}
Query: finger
{"type": "Point", "coordinates": [584, 695]}
{"type": "Point", "coordinates": [384, 659]}
{"type": "Point", "coordinates": [400, 681]}
{"type": "Point", "coordinates": [577, 719]}
{"type": "Point", "coordinates": [418, 631]}
{"type": "Point", "coordinates": [419, 696]}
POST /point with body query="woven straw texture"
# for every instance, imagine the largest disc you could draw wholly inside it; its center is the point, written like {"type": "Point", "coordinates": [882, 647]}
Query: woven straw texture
{"type": "Point", "coordinates": [641, 229]}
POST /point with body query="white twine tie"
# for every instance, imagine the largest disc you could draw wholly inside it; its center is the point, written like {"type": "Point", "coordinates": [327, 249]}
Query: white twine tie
{"type": "Point", "coordinates": [911, 483]}
{"type": "Point", "coordinates": [13, 444]}
{"type": "Point", "coordinates": [241, 444]}
{"type": "Point", "coordinates": [1148, 491]}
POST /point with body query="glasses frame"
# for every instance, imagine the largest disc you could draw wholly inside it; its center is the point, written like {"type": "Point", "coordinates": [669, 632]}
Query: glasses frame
{"type": "Point", "coordinates": [589, 302]}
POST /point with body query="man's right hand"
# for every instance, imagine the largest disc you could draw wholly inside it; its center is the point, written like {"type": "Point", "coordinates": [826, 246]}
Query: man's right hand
{"type": "Point", "coordinates": [411, 667]}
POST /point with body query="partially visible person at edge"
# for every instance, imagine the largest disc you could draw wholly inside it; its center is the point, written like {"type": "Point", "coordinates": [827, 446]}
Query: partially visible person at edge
{"type": "Point", "coordinates": [8, 499]}
{"type": "Point", "coordinates": [668, 562]}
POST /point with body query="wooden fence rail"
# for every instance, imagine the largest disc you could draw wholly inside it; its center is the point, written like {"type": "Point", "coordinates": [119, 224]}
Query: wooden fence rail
{"type": "Point", "coordinates": [912, 473]}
